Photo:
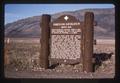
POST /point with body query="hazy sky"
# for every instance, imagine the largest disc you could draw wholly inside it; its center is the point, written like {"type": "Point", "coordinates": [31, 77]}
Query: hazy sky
{"type": "Point", "coordinates": [14, 12]}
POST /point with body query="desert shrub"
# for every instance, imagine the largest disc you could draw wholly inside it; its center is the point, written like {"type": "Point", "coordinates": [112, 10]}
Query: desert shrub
{"type": "Point", "coordinates": [23, 55]}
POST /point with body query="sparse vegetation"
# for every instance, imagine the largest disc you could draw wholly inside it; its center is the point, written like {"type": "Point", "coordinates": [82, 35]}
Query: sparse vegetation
{"type": "Point", "coordinates": [25, 56]}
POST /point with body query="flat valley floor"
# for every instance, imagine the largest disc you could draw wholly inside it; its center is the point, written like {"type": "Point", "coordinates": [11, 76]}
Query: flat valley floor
{"type": "Point", "coordinates": [23, 60]}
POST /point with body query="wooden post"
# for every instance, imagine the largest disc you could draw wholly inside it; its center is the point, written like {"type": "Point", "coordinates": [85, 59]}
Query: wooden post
{"type": "Point", "coordinates": [45, 35]}
{"type": "Point", "coordinates": [88, 34]}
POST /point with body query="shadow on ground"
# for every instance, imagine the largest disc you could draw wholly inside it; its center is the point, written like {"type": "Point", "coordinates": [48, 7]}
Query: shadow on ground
{"type": "Point", "coordinates": [99, 58]}
{"type": "Point", "coordinates": [53, 66]}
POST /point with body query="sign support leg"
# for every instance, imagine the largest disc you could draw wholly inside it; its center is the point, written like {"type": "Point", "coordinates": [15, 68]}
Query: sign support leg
{"type": "Point", "coordinates": [44, 41]}
{"type": "Point", "coordinates": [88, 50]}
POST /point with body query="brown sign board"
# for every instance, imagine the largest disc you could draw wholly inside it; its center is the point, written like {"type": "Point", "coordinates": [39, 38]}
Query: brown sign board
{"type": "Point", "coordinates": [65, 40]}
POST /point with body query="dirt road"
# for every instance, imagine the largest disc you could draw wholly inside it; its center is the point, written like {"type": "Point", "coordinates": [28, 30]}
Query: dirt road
{"type": "Point", "coordinates": [59, 75]}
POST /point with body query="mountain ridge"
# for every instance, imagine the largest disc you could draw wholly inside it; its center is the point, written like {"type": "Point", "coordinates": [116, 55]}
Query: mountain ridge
{"type": "Point", "coordinates": [30, 27]}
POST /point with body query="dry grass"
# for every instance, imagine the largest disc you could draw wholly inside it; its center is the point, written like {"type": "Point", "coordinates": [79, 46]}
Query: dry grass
{"type": "Point", "coordinates": [25, 56]}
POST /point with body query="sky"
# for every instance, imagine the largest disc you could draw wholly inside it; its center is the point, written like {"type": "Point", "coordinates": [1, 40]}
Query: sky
{"type": "Point", "coordinates": [14, 12]}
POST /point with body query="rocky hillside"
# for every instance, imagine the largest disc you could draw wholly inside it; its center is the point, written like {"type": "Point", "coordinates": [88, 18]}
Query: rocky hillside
{"type": "Point", "coordinates": [30, 27]}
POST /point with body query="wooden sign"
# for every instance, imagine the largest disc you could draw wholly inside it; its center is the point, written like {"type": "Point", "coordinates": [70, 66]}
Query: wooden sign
{"type": "Point", "coordinates": [65, 35]}
{"type": "Point", "coordinates": [67, 40]}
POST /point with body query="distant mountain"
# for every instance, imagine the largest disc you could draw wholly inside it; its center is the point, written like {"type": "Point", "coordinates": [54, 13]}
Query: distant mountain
{"type": "Point", "coordinates": [30, 27]}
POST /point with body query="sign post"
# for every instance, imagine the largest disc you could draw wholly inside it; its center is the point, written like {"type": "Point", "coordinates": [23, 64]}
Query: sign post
{"type": "Point", "coordinates": [88, 42]}
{"type": "Point", "coordinates": [45, 35]}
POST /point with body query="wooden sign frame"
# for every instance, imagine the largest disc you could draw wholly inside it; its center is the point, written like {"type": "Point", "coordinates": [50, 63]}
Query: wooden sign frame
{"type": "Point", "coordinates": [87, 41]}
